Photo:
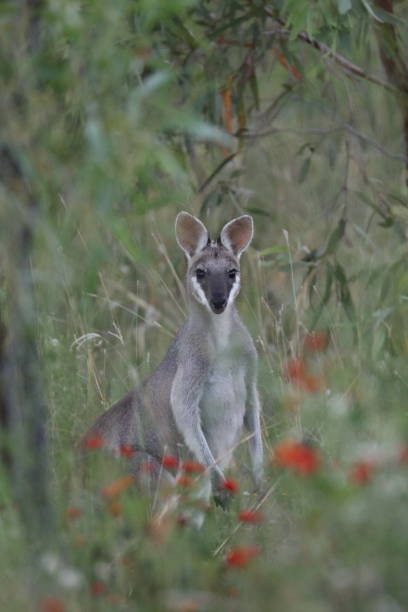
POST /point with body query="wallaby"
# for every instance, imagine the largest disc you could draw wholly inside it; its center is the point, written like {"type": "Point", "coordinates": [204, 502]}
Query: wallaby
{"type": "Point", "coordinates": [198, 399]}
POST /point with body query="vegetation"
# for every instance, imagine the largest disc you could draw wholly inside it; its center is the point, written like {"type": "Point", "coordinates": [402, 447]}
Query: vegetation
{"type": "Point", "coordinates": [116, 115]}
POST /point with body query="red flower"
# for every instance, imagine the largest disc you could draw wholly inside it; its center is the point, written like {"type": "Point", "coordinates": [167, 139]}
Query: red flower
{"type": "Point", "coordinates": [295, 372]}
{"type": "Point", "coordinates": [117, 487]}
{"type": "Point", "coordinates": [192, 466]}
{"type": "Point", "coordinates": [51, 604]}
{"type": "Point", "coordinates": [230, 485]}
{"type": "Point", "coordinates": [299, 457]}
{"type": "Point", "coordinates": [240, 556]}
{"type": "Point", "coordinates": [295, 369]}
{"type": "Point", "coordinates": [114, 508]}
{"type": "Point", "coordinates": [184, 481]}
{"type": "Point", "coordinates": [72, 512]}
{"type": "Point", "coordinates": [361, 472]}
{"type": "Point", "coordinates": [97, 588]}
{"type": "Point", "coordinates": [250, 516]}
{"type": "Point", "coordinates": [169, 461]}
{"type": "Point", "coordinates": [127, 451]}
{"type": "Point", "coordinates": [93, 443]}
{"type": "Point", "coordinates": [311, 383]}
{"type": "Point", "coordinates": [146, 467]}
{"type": "Point", "coordinates": [403, 456]}
{"type": "Point", "coordinates": [114, 599]}
{"type": "Point", "coordinates": [316, 341]}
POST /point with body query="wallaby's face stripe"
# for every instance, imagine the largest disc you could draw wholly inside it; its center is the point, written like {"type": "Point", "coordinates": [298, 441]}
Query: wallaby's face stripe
{"type": "Point", "coordinates": [198, 293]}
{"type": "Point", "coordinates": [234, 290]}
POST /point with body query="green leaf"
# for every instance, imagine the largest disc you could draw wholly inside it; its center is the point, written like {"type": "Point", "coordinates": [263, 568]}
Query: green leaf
{"type": "Point", "coordinates": [258, 211]}
{"type": "Point", "coordinates": [401, 212]}
{"type": "Point", "coordinates": [335, 237]}
{"type": "Point", "coordinates": [344, 292]}
{"type": "Point", "coordinates": [298, 19]}
{"type": "Point", "coordinates": [379, 340]}
{"type": "Point", "coordinates": [399, 199]}
{"type": "Point", "coordinates": [364, 198]}
{"type": "Point", "coordinates": [152, 83]}
{"type": "Point", "coordinates": [202, 130]}
{"type": "Point", "coordinates": [274, 249]}
{"type": "Point", "coordinates": [343, 6]}
{"type": "Point", "coordinates": [305, 146]}
{"type": "Point", "coordinates": [325, 297]}
{"type": "Point", "coordinates": [371, 11]}
{"type": "Point", "coordinates": [253, 83]}
{"type": "Point", "coordinates": [304, 170]}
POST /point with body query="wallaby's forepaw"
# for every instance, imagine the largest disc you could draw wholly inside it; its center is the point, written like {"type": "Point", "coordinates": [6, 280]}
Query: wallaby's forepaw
{"type": "Point", "coordinates": [222, 498]}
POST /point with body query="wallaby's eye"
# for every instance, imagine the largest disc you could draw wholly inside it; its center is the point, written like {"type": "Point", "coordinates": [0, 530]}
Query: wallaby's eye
{"type": "Point", "coordinates": [232, 274]}
{"type": "Point", "coordinates": [200, 273]}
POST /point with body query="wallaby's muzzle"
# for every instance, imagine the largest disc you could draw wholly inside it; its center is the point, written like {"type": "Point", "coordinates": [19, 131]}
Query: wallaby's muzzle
{"type": "Point", "coordinates": [218, 305]}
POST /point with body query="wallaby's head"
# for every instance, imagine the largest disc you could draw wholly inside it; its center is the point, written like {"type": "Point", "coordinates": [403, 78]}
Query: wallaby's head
{"type": "Point", "coordinates": [213, 266]}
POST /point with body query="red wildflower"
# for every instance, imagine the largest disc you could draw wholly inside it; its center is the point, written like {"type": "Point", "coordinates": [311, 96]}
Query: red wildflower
{"type": "Point", "coordinates": [146, 467]}
{"type": "Point", "coordinates": [240, 556]}
{"type": "Point", "coordinates": [93, 443]}
{"type": "Point", "coordinates": [184, 481]}
{"type": "Point", "coordinates": [230, 485]}
{"type": "Point", "coordinates": [295, 369]}
{"type": "Point", "coordinates": [403, 455]}
{"type": "Point", "coordinates": [114, 599]}
{"type": "Point", "coordinates": [361, 472]}
{"type": "Point", "coordinates": [316, 341]}
{"type": "Point", "coordinates": [311, 383]}
{"type": "Point", "coordinates": [51, 604]}
{"type": "Point", "coordinates": [302, 458]}
{"type": "Point", "coordinates": [250, 516]}
{"type": "Point", "coordinates": [127, 451]}
{"type": "Point", "coordinates": [182, 520]}
{"type": "Point", "coordinates": [117, 487]}
{"type": "Point", "coordinates": [79, 540]}
{"type": "Point", "coordinates": [97, 588]}
{"type": "Point", "coordinates": [169, 461]}
{"type": "Point", "coordinates": [192, 466]}
{"type": "Point", "coordinates": [115, 509]}
{"type": "Point", "coordinates": [295, 372]}
{"type": "Point", "coordinates": [72, 512]}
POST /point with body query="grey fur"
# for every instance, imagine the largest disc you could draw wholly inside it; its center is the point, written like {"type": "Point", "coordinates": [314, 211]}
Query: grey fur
{"type": "Point", "coordinates": [198, 399]}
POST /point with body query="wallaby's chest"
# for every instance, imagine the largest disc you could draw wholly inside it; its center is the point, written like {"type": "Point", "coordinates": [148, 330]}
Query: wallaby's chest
{"type": "Point", "coordinates": [224, 387]}
{"type": "Point", "coordinates": [222, 406]}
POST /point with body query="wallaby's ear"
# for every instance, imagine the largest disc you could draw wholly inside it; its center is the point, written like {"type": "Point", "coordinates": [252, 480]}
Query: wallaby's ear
{"type": "Point", "coordinates": [237, 234]}
{"type": "Point", "coordinates": [190, 233]}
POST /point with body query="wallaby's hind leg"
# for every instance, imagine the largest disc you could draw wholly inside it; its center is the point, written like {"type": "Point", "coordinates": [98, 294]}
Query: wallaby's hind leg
{"type": "Point", "coordinates": [149, 473]}
{"type": "Point", "coordinates": [156, 482]}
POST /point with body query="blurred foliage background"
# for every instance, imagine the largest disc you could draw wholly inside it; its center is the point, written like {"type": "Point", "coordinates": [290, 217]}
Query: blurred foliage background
{"type": "Point", "coordinates": [115, 116]}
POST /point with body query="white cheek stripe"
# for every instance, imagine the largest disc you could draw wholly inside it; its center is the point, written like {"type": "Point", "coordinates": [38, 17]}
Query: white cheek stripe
{"type": "Point", "coordinates": [199, 294]}
{"type": "Point", "coordinates": [234, 291]}
{"type": "Point", "coordinates": [201, 298]}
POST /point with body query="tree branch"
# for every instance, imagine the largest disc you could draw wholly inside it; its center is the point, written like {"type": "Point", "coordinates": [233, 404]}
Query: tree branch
{"type": "Point", "coordinates": [395, 66]}
{"type": "Point", "coordinates": [349, 67]}
{"type": "Point", "coordinates": [323, 131]}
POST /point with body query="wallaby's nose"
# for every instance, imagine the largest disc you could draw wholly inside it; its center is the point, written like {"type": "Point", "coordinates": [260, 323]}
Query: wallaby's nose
{"type": "Point", "coordinates": [218, 304]}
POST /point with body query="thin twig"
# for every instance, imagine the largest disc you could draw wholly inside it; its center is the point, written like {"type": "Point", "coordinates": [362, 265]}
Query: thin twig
{"type": "Point", "coordinates": [162, 249]}
{"type": "Point", "coordinates": [216, 171]}
{"type": "Point", "coordinates": [322, 131]}
{"type": "Point", "coordinates": [253, 509]}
